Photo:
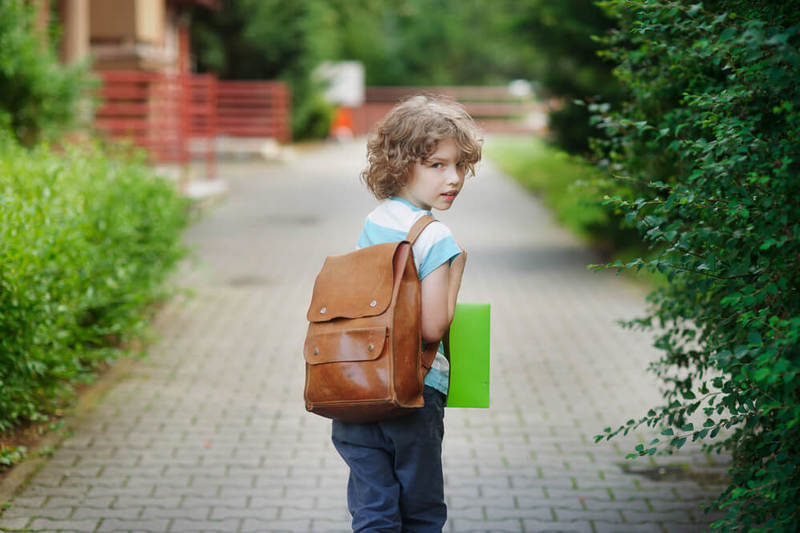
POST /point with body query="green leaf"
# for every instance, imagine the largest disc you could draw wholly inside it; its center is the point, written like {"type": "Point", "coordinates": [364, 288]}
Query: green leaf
{"type": "Point", "coordinates": [762, 374]}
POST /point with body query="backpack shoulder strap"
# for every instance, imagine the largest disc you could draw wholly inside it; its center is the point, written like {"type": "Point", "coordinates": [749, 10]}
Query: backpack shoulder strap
{"type": "Point", "coordinates": [417, 228]}
{"type": "Point", "coordinates": [429, 354]}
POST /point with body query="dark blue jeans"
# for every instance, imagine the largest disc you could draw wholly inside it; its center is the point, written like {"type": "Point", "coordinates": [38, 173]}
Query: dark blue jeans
{"type": "Point", "coordinates": [396, 482]}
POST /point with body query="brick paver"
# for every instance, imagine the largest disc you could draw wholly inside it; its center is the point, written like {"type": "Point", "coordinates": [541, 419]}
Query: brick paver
{"type": "Point", "coordinates": [210, 434]}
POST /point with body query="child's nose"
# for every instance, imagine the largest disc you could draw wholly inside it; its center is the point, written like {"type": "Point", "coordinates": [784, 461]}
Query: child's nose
{"type": "Point", "coordinates": [453, 175]}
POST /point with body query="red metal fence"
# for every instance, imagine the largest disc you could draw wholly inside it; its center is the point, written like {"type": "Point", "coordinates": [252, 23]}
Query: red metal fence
{"type": "Point", "coordinates": [203, 117]}
{"type": "Point", "coordinates": [147, 108]}
{"type": "Point", "coordinates": [254, 109]}
{"type": "Point", "coordinates": [163, 113]}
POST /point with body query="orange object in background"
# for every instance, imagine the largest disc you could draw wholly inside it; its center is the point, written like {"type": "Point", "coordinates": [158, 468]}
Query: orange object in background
{"type": "Point", "coordinates": [342, 124]}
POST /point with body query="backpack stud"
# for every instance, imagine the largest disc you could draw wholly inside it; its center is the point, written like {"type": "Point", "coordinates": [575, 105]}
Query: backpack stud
{"type": "Point", "coordinates": [373, 303]}
{"type": "Point", "coordinates": [323, 310]}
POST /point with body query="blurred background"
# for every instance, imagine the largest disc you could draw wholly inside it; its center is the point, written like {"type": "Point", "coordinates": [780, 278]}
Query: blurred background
{"type": "Point", "coordinates": [168, 67]}
{"type": "Point", "coordinates": [191, 81]}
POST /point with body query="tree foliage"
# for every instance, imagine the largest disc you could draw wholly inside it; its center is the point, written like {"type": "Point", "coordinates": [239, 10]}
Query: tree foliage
{"type": "Point", "coordinates": [432, 42]}
{"type": "Point", "coordinates": [706, 149]}
{"type": "Point", "coordinates": [39, 96]}
{"type": "Point", "coordinates": [566, 63]}
{"type": "Point", "coordinates": [415, 42]}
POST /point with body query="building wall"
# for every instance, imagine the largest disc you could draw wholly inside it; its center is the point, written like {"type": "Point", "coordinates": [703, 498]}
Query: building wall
{"type": "Point", "coordinates": [132, 34]}
{"type": "Point", "coordinates": [146, 35]}
{"type": "Point", "coordinates": [112, 21]}
{"type": "Point", "coordinates": [127, 21]}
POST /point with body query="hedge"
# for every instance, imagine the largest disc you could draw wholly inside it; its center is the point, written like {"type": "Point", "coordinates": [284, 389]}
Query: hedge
{"type": "Point", "coordinates": [706, 155]}
{"type": "Point", "coordinates": [86, 241]}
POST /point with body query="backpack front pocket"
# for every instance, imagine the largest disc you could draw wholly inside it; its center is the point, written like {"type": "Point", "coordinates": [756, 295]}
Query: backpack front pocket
{"type": "Point", "coordinates": [360, 344]}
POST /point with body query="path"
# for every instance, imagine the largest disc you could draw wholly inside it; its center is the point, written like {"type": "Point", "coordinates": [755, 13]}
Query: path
{"type": "Point", "coordinates": [210, 433]}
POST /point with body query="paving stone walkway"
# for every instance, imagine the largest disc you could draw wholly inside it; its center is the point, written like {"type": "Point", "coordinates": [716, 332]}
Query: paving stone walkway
{"type": "Point", "coordinates": [210, 433]}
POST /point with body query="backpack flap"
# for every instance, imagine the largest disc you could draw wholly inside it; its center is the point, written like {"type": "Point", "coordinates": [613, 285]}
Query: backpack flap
{"type": "Point", "coordinates": [354, 285]}
{"type": "Point", "coordinates": [360, 344]}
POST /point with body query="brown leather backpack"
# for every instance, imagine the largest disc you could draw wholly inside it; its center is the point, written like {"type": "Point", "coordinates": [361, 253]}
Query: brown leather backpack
{"type": "Point", "coordinates": [363, 350]}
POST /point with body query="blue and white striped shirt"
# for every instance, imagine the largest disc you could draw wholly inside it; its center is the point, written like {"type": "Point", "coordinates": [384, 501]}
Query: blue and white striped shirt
{"type": "Point", "coordinates": [390, 222]}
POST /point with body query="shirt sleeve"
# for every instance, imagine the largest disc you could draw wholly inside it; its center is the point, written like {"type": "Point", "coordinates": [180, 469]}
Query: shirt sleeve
{"type": "Point", "coordinates": [434, 247]}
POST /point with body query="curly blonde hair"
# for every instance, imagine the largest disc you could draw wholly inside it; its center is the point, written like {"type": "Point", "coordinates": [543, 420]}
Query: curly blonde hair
{"type": "Point", "coordinates": [409, 133]}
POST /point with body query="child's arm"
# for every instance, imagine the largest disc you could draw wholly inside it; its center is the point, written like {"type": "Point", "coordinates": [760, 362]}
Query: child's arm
{"type": "Point", "coordinates": [439, 294]}
{"type": "Point", "coordinates": [456, 272]}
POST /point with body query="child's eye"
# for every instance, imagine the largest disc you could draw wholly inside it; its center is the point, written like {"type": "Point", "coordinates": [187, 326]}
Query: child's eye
{"type": "Point", "coordinates": [460, 164]}
{"type": "Point", "coordinates": [436, 165]}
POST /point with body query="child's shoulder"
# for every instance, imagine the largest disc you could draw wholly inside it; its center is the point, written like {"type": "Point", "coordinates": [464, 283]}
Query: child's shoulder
{"type": "Point", "coordinates": [399, 214]}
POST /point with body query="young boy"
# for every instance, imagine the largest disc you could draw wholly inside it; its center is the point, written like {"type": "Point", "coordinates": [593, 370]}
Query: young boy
{"type": "Point", "coordinates": [417, 161]}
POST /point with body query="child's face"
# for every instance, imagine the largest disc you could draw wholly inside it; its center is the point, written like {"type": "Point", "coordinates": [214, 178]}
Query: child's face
{"type": "Point", "coordinates": [435, 182]}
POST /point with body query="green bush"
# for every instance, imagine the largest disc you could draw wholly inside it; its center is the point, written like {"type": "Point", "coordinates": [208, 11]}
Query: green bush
{"type": "Point", "coordinates": [40, 97]}
{"type": "Point", "coordinates": [85, 243]}
{"type": "Point", "coordinates": [706, 149]}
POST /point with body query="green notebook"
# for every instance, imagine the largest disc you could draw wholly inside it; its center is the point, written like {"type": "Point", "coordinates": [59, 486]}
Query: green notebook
{"type": "Point", "coordinates": [469, 356]}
